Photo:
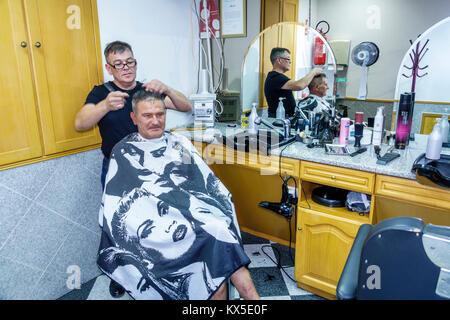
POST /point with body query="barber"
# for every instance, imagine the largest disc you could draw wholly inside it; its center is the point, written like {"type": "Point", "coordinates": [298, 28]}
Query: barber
{"type": "Point", "coordinates": [109, 105]}
{"type": "Point", "coordinates": [279, 85]}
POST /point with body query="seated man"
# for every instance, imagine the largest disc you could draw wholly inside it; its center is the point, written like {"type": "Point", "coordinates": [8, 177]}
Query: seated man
{"type": "Point", "coordinates": [169, 228]}
{"type": "Point", "coordinates": [318, 89]}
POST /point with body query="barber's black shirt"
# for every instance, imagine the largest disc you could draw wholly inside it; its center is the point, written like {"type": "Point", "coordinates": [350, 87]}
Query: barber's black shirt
{"type": "Point", "coordinates": [273, 91]}
{"type": "Point", "coordinates": [115, 125]}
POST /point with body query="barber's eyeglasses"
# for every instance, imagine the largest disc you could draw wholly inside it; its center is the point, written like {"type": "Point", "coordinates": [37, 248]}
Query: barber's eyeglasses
{"type": "Point", "coordinates": [120, 65]}
{"type": "Point", "coordinates": [287, 59]}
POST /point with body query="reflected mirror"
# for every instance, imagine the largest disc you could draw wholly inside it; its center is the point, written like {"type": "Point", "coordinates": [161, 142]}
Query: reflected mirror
{"type": "Point", "coordinates": [428, 78]}
{"type": "Point", "coordinates": [300, 40]}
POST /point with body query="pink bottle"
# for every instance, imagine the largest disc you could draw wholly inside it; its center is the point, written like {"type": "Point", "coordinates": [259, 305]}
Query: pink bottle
{"type": "Point", "coordinates": [344, 131]}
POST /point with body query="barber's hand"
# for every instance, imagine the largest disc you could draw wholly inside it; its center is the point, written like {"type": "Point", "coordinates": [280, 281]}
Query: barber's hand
{"type": "Point", "coordinates": [116, 100]}
{"type": "Point", "coordinates": [156, 86]}
{"type": "Point", "coordinates": [317, 71]}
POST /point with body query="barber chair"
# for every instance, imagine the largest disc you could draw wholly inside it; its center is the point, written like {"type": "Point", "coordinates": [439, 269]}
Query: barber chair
{"type": "Point", "coordinates": [399, 258]}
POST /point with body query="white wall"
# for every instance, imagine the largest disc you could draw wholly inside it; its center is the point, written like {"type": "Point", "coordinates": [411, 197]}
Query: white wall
{"type": "Point", "coordinates": [164, 37]}
{"type": "Point", "coordinates": [388, 23]}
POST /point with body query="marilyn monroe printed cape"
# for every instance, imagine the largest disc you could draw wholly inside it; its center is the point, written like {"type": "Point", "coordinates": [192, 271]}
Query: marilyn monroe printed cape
{"type": "Point", "coordinates": [169, 227]}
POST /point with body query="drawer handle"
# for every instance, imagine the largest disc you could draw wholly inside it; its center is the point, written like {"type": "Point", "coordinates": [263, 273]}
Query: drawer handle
{"type": "Point", "coordinates": [333, 177]}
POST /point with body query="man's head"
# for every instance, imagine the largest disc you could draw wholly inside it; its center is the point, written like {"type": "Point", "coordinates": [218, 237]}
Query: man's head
{"type": "Point", "coordinates": [281, 59]}
{"type": "Point", "coordinates": [319, 85]}
{"type": "Point", "coordinates": [120, 63]}
{"type": "Point", "coordinates": [149, 114]}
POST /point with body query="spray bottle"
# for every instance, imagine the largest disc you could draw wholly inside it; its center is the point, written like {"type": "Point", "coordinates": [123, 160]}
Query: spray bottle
{"type": "Point", "coordinates": [280, 110]}
{"type": "Point", "coordinates": [378, 127]}
{"type": "Point", "coordinates": [252, 126]}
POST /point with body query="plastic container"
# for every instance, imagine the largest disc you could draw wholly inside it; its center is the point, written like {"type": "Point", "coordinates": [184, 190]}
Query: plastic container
{"type": "Point", "coordinates": [434, 144]}
{"type": "Point", "coordinates": [252, 126]}
{"type": "Point", "coordinates": [281, 113]}
{"type": "Point", "coordinates": [378, 127]}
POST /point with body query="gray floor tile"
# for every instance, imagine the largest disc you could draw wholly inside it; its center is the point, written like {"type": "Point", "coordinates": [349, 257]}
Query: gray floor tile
{"type": "Point", "coordinates": [28, 180]}
{"type": "Point", "coordinates": [13, 207]}
{"type": "Point", "coordinates": [79, 250]}
{"type": "Point", "coordinates": [16, 280]}
{"type": "Point", "coordinates": [74, 193]}
{"type": "Point", "coordinates": [37, 238]}
{"type": "Point", "coordinates": [269, 282]}
{"type": "Point", "coordinates": [257, 256]}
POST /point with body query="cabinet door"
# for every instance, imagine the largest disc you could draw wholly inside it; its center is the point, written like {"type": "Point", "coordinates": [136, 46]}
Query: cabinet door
{"type": "Point", "coordinates": [19, 124]}
{"type": "Point", "coordinates": [64, 56]}
{"type": "Point", "coordinates": [322, 247]}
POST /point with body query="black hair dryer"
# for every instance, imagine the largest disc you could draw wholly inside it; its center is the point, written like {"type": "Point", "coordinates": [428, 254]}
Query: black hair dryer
{"type": "Point", "coordinates": [283, 207]}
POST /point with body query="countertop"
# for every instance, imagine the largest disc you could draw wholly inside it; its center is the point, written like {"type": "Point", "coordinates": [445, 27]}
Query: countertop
{"type": "Point", "coordinates": [400, 167]}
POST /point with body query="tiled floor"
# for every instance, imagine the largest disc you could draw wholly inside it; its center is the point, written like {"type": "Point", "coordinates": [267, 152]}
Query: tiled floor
{"type": "Point", "coordinates": [271, 282]}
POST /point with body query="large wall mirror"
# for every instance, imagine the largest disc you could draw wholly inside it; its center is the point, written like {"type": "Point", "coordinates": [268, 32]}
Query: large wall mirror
{"type": "Point", "coordinates": [431, 82]}
{"type": "Point", "coordinates": [300, 40]}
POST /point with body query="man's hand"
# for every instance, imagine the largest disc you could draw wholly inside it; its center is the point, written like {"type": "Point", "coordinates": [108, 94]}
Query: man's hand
{"type": "Point", "coordinates": [316, 71]}
{"type": "Point", "coordinates": [156, 86]}
{"type": "Point", "coordinates": [116, 100]}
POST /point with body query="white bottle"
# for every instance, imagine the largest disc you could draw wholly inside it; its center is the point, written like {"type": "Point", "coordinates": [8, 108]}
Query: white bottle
{"type": "Point", "coordinates": [443, 124]}
{"type": "Point", "coordinates": [280, 110]}
{"type": "Point", "coordinates": [434, 144]}
{"type": "Point", "coordinates": [378, 127]}
{"type": "Point", "coordinates": [252, 126]}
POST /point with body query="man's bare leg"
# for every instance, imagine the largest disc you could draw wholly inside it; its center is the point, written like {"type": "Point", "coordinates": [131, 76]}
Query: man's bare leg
{"type": "Point", "coordinates": [221, 293]}
{"type": "Point", "coordinates": [244, 284]}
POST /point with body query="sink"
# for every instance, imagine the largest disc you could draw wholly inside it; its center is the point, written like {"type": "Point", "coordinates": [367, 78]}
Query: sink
{"type": "Point", "coordinates": [263, 141]}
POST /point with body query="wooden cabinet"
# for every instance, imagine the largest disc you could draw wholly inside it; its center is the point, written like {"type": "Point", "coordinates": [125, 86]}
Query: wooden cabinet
{"type": "Point", "coordinates": [275, 11]}
{"type": "Point", "coordinates": [19, 131]}
{"type": "Point", "coordinates": [323, 242]}
{"type": "Point", "coordinates": [52, 63]}
{"type": "Point", "coordinates": [325, 235]}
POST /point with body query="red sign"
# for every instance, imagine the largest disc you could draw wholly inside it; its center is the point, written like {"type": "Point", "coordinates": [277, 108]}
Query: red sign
{"type": "Point", "coordinates": [212, 15]}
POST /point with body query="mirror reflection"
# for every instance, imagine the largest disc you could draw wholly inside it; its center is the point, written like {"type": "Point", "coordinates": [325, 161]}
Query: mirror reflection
{"type": "Point", "coordinates": [423, 72]}
{"type": "Point", "coordinates": [300, 41]}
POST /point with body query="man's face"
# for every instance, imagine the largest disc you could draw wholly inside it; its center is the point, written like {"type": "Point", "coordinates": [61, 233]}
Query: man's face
{"type": "Point", "coordinates": [285, 61]}
{"type": "Point", "coordinates": [126, 74]}
{"type": "Point", "coordinates": [321, 89]}
{"type": "Point", "coordinates": [150, 118]}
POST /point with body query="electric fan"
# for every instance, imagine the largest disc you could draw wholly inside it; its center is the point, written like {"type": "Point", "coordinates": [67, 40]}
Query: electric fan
{"type": "Point", "coordinates": [364, 54]}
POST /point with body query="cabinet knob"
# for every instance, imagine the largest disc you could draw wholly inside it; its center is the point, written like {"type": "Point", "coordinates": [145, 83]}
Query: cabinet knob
{"type": "Point", "coordinates": [299, 228]}
{"type": "Point", "coordinates": [38, 44]}
{"type": "Point", "coordinates": [23, 44]}
{"type": "Point", "coordinates": [333, 177]}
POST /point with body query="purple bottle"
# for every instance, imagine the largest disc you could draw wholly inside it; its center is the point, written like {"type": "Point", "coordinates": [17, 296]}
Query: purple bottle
{"type": "Point", "coordinates": [403, 121]}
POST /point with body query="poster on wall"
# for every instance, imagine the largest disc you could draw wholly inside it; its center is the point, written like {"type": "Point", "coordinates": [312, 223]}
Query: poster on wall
{"type": "Point", "coordinates": [210, 14]}
{"type": "Point", "coordinates": [233, 18]}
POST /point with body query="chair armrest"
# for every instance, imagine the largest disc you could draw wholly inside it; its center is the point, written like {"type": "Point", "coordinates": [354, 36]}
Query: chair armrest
{"type": "Point", "coordinates": [348, 282]}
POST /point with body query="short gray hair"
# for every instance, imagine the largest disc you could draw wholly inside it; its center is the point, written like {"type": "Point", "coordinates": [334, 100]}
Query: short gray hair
{"type": "Point", "coordinates": [277, 53]}
{"type": "Point", "coordinates": [116, 46]}
{"type": "Point", "coordinates": [144, 95]}
{"type": "Point", "coordinates": [317, 80]}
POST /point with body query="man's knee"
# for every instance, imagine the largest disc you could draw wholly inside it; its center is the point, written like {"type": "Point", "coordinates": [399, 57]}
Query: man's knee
{"type": "Point", "coordinates": [221, 293]}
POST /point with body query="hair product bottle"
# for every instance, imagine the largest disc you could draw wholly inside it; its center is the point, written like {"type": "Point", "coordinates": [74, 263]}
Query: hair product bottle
{"type": "Point", "coordinates": [280, 109]}
{"type": "Point", "coordinates": [444, 126]}
{"type": "Point", "coordinates": [403, 125]}
{"type": "Point", "coordinates": [378, 127]}
{"type": "Point", "coordinates": [434, 144]}
{"type": "Point", "coordinates": [344, 131]}
{"type": "Point", "coordinates": [252, 126]}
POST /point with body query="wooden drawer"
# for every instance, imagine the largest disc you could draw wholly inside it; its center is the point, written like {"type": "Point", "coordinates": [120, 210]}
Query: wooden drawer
{"type": "Point", "coordinates": [268, 165]}
{"type": "Point", "coordinates": [338, 177]}
{"type": "Point", "coordinates": [412, 191]}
